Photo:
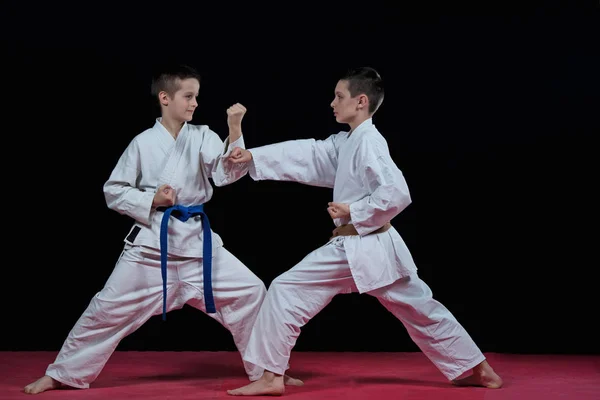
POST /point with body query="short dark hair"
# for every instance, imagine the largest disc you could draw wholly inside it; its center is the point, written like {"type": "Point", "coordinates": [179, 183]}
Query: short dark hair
{"type": "Point", "coordinates": [169, 78]}
{"type": "Point", "coordinates": [365, 80]}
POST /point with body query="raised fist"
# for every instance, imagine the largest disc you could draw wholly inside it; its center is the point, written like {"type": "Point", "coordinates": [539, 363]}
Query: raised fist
{"type": "Point", "coordinates": [235, 113]}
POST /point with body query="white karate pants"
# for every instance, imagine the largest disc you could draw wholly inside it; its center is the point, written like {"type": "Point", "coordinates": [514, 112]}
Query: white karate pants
{"type": "Point", "coordinates": [133, 293]}
{"type": "Point", "coordinates": [299, 294]}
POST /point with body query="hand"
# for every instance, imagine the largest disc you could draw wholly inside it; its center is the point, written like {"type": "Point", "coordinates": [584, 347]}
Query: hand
{"type": "Point", "coordinates": [235, 113]}
{"type": "Point", "coordinates": [164, 196]}
{"type": "Point", "coordinates": [239, 155]}
{"type": "Point", "coordinates": [338, 210]}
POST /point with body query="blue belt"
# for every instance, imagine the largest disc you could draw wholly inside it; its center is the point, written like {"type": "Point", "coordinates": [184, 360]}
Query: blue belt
{"type": "Point", "coordinates": [183, 213]}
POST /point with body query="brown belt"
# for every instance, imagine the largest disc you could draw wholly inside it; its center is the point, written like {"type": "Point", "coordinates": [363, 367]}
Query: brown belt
{"type": "Point", "coordinates": [349, 230]}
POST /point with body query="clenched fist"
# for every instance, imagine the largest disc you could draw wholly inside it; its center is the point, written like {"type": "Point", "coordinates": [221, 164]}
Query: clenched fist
{"type": "Point", "coordinates": [235, 113]}
{"type": "Point", "coordinates": [164, 196]}
{"type": "Point", "coordinates": [338, 210]}
{"type": "Point", "coordinates": [239, 155]}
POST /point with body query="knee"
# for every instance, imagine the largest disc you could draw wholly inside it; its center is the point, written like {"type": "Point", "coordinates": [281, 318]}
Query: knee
{"type": "Point", "coordinates": [437, 318]}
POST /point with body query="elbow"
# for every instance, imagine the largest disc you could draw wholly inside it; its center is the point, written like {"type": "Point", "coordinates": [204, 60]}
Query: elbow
{"type": "Point", "coordinates": [111, 201]}
{"type": "Point", "coordinates": [406, 199]}
{"type": "Point", "coordinates": [112, 195]}
{"type": "Point", "coordinates": [109, 198]}
{"type": "Point", "coordinates": [224, 181]}
{"type": "Point", "coordinates": [221, 180]}
{"type": "Point", "coordinates": [402, 199]}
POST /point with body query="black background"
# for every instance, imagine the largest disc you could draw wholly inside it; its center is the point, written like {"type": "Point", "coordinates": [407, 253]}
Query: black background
{"type": "Point", "coordinates": [489, 112]}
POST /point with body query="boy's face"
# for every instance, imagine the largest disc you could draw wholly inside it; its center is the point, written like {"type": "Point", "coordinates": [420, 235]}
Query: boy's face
{"type": "Point", "coordinates": [345, 107]}
{"type": "Point", "coordinates": [182, 105]}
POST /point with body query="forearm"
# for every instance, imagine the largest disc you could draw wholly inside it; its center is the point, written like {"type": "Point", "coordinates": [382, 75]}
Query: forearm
{"type": "Point", "coordinates": [296, 161]}
{"type": "Point", "coordinates": [235, 132]}
{"type": "Point", "coordinates": [225, 171]}
{"type": "Point", "coordinates": [372, 212]}
{"type": "Point", "coordinates": [129, 201]}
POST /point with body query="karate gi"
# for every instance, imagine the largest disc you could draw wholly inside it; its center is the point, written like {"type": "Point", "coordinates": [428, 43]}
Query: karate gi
{"type": "Point", "coordinates": [361, 172]}
{"type": "Point", "coordinates": [134, 291]}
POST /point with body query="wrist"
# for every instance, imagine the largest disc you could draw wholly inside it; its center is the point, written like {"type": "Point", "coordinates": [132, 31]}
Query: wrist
{"type": "Point", "coordinates": [234, 135]}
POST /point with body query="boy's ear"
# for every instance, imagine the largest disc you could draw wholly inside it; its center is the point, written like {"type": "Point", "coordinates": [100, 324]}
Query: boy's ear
{"type": "Point", "coordinates": [163, 97]}
{"type": "Point", "coordinates": [363, 101]}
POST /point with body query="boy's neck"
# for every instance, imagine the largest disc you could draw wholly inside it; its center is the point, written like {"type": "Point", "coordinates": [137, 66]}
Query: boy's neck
{"type": "Point", "coordinates": [359, 120]}
{"type": "Point", "coordinates": [173, 127]}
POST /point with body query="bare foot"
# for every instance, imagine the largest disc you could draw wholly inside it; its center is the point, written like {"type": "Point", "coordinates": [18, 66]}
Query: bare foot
{"type": "Point", "coordinates": [41, 385]}
{"type": "Point", "coordinates": [483, 375]}
{"type": "Point", "coordinates": [268, 385]}
{"type": "Point", "coordinates": [289, 381]}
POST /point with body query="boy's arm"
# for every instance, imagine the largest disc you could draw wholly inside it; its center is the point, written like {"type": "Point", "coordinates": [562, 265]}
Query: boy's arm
{"type": "Point", "coordinates": [308, 161]}
{"type": "Point", "coordinates": [388, 188]}
{"type": "Point", "coordinates": [235, 114]}
{"type": "Point", "coordinates": [218, 165]}
{"type": "Point", "coordinates": [216, 159]}
{"type": "Point", "coordinates": [120, 191]}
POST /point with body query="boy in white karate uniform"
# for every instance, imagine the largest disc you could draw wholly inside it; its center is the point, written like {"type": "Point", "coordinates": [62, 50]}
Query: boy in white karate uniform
{"type": "Point", "coordinates": [366, 254]}
{"type": "Point", "coordinates": [171, 256]}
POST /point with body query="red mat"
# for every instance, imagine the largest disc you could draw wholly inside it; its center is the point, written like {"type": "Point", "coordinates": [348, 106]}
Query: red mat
{"type": "Point", "coordinates": [379, 376]}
